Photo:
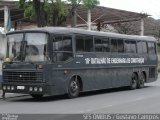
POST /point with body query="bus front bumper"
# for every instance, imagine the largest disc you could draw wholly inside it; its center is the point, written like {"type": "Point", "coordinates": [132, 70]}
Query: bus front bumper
{"type": "Point", "coordinates": [25, 88]}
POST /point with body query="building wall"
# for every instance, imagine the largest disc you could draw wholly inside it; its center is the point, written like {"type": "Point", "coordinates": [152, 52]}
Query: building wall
{"type": "Point", "coordinates": [3, 44]}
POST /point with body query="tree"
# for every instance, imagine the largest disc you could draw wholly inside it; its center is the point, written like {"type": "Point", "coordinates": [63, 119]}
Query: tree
{"type": "Point", "coordinates": [45, 12]}
{"type": "Point", "coordinates": [73, 11]}
{"type": "Point", "coordinates": [89, 5]}
{"type": "Point", "coordinates": [34, 10]}
{"type": "Point", "coordinates": [56, 12]}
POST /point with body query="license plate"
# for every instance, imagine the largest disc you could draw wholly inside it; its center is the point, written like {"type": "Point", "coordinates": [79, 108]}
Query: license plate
{"type": "Point", "coordinates": [20, 87]}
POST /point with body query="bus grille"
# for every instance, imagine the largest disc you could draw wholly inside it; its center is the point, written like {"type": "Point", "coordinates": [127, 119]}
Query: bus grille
{"type": "Point", "coordinates": [22, 76]}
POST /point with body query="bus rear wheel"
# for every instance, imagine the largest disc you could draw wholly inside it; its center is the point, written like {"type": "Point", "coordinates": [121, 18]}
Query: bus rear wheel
{"type": "Point", "coordinates": [141, 81]}
{"type": "Point", "coordinates": [73, 88]}
{"type": "Point", "coordinates": [36, 96]}
{"type": "Point", "coordinates": [134, 79]}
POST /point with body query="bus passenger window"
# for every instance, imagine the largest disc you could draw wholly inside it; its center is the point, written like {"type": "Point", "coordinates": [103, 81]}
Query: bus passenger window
{"type": "Point", "coordinates": [113, 45]}
{"type": "Point", "coordinates": [79, 43]}
{"type": "Point", "coordinates": [151, 48]}
{"type": "Point", "coordinates": [105, 45]}
{"type": "Point", "coordinates": [67, 43]}
{"type": "Point", "coordinates": [98, 45]}
{"type": "Point", "coordinates": [142, 47]}
{"type": "Point", "coordinates": [84, 43]}
{"type": "Point", "coordinates": [120, 46]}
{"type": "Point", "coordinates": [62, 48]}
{"type": "Point", "coordinates": [88, 44]}
{"type": "Point", "coordinates": [130, 46]}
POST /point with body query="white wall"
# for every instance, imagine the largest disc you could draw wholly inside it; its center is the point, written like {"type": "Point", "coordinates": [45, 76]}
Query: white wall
{"type": "Point", "coordinates": [3, 45]}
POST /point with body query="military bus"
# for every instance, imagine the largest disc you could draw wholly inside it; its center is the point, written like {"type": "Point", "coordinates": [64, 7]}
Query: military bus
{"type": "Point", "coordinates": [59, 60]}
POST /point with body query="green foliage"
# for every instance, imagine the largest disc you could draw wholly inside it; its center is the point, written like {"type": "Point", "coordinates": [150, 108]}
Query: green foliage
{"type": "Point", "coordinates": [51, 12]}
{"type": "Point", "coordinates": [29, 12]}
{"type": "Point", "coordinates": [56, 12]}
{"type": "Point", "coordinates": [90, 4]}
{"type": "Point", "coordinates": [27, 6]}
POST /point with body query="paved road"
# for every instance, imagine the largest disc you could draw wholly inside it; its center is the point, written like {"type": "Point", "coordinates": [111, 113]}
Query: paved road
{"type": "Point", "coordinates": [145, 100]}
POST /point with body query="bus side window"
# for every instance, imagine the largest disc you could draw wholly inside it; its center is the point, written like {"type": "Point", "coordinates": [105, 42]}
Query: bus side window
{"type": "Point", "coordinates": [62, 48]}
{"type": "Point", "coordinates": [84, 43]}
{"type": "Point", "coordinates": [79, 43]}
{"type": "Point", "coordinates": [151, 48]}
{"type": "Point", "coordinates": [120, 46]}
{"type": "Point", "coordinates": [67, 43]}
{"type": "Point", "coordinates": [98, 45]}
{"type": "Point", "coordinates": [88, 44]}
{"type": "Point", "coordinates": [113, 46]}
{"type": "Point", "coordinates": [102, 44]}
{"type": "Point", "coordinates": [142, 47]}
{"type": "Point", "coordinates": [139, 47]}
{"type": "Point", "coordinates": [130, 46]}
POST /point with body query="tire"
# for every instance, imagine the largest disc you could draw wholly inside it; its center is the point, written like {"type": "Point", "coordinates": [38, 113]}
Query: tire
{"type": "Point", "coordinates": [141, 81]}
{"type": "Point", "coordinates": [133, 83]}
{"type": "Point", "coordinates": [73, 88]}
{"type": "Point", "coordinates": [36, 96]}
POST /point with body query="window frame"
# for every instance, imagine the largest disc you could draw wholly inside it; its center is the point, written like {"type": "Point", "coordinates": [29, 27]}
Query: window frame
{"type": "Point", "coordinates": [52, 50]}
{"type": "Point", "coordinates": [84, 38]}
{"type": "Point", "coordinates": [131, 40]}
{"type": "Point", "coordinates": [102, 38]}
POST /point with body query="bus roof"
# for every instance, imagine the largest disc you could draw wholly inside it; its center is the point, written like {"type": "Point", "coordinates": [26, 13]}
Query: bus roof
{"type": "Point", "coordinates": [66, 30]}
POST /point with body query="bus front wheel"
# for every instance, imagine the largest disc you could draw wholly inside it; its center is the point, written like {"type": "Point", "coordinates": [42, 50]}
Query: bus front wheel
{"type": "Point", "coordinates": [73, 88]}
{"type": "Point", "coordinates": [134, 79]}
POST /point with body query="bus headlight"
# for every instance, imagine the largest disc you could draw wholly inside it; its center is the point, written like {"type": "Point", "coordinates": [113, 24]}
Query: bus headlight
{"type": "Point", "coordinates": [12, 87]}
{"type": "Point", "coordinates": [4, 87]}
{"type": "Point", "coordinates": [30, 88]}
{"type": "Point", "coordinates": [40, 89]}
{"type": "Point", "coordinates": [35, 89]}
{"type": "Point", "coordinates": [8, 88]}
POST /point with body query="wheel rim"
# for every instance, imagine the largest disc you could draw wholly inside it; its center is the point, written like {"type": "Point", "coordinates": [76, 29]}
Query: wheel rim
{"type": "Point", "coordinates": [74, 87]}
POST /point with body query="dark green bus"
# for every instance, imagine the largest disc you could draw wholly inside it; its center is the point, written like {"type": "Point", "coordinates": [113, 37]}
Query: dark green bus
{"type": "Point", "coordinates": [57, 60]}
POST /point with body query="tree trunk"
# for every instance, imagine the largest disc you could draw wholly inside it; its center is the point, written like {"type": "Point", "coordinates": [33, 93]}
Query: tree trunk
{"type": "Point", "coordinates": [74, 18]}
{"type": "Point", "coordinates": [40, 14]}
{"type": "Point", "coordinates": [89, 19]}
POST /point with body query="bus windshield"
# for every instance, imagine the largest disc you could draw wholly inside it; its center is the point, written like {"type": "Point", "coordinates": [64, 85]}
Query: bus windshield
{"type": "Point", "coordinates": [30, 47]}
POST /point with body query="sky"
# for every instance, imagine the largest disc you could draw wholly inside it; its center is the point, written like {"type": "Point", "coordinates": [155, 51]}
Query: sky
{"type": "Point", "coordinates": [151, 7]}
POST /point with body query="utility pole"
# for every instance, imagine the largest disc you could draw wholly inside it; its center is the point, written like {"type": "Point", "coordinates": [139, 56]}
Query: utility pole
{"type": "Point", "coordinates": [89, 19]}
{"type": "Point", "coordinates": [142, 27]}
{"type": "Point", "coordinates": [5, 18]}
